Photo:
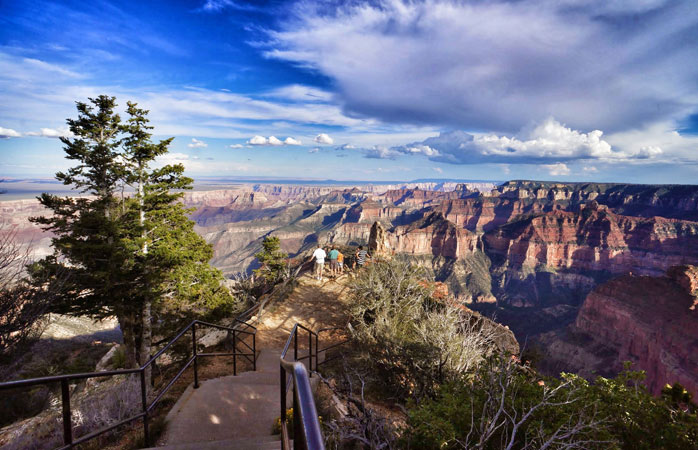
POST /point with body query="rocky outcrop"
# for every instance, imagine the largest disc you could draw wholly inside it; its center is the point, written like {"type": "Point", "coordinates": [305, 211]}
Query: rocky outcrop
{"type": "Point", "coordinates": [671, 201]}
{"type": "Point", "coordinates": [435, 236]}
{"type": "Point", "coordinates": [649, 321]}
{"type": "Point", "coordinates": [377, 242]}
{"type": "Point", "coordinates": [595, 239]}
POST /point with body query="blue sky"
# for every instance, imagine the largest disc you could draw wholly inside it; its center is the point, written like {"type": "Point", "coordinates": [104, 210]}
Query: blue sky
{"type": "Point", "coordinates": [599, 90]}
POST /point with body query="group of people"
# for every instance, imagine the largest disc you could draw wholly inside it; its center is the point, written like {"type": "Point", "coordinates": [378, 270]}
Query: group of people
{"type": "Point", "coordinates": [336, 259]}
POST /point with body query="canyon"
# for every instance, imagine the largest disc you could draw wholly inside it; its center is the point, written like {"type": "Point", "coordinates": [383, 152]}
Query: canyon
{"type": "Point", "coordinates": [588, 275]}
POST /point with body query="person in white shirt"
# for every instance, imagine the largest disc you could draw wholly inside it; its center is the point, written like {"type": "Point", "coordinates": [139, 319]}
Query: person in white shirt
{"type": "Point", "coordinates": [319, 255]}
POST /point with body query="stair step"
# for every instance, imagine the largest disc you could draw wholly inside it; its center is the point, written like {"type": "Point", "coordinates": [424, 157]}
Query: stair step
{"type": "Point", "coordinates": [266, 442]}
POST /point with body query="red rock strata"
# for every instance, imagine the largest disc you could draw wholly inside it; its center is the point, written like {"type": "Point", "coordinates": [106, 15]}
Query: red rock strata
{"type": "Point", "coordinates": [595, 239]}
{"type": "Point", "coordinates": [649, 321]}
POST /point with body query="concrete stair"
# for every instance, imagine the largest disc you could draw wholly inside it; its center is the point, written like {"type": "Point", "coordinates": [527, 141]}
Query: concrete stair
{"type": "Point", "coordinates": [232, 412]}
{"type": "Point", "coordinates": [254, 443]}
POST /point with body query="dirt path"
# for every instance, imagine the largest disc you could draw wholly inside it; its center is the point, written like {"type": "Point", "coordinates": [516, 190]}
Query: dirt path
{"type": "Point", "coordinates": [314, 304]}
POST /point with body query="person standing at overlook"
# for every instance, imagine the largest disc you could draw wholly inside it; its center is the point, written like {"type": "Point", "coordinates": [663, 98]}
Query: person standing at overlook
{"type": "Point", "coordinates": [319, 256]}
{"type": "Point", "coordinates": [334, 253]}
{"type": "Point", "coordinates": [340, 262]}
{"type": "Point", "coordinates": [361, 256]}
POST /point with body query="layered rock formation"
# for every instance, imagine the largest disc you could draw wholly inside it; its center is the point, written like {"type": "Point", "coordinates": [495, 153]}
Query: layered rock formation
{"type": "Point", "coordinates": [650, 321]}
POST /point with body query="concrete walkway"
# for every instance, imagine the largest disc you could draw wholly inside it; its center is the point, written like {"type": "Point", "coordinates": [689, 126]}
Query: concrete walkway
{"type": "Point", "coordinates": [238, 412]}
{"type": "Point", "coordinates": [228, 412]}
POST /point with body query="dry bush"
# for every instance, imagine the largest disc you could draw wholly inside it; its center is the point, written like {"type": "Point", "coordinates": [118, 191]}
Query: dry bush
{"type": "Point", "coordinates": [22, 306]}
{"type": "Point", "coordinates": [109, 402]}
{"type": "Point", "coordinates": [409, 340]}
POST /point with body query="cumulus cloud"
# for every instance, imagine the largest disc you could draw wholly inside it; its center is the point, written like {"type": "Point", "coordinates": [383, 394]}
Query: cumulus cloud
{"type": "Point", "coordinates": [438, 169]}
{"type": "Point", "coordinates": [557, 169]}
{"type": "Point", "coordinates": [274, 141]}
{"type": "Point", "coordinates": [51, 132]}
{"type": "Point", "coordinates": [258, 140]}
{"type": "Point", "coordinates": [6, 133]}
{"type": "Point", "coordinates": [195, 143]}
{"type": "Point", "coordinates": [546, 142]}
{"type": "Point", "coordinates": [496, 65]}
{"type": "Point", "coordinates": [323, 138]}
{"type": "Point", "coordinates": [236, 146]}
{"type": "Point", "coordinates": [590, 169]}
{"type": "Point", "coordinates": [380, 152]}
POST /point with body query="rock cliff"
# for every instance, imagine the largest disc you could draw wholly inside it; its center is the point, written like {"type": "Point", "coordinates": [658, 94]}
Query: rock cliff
{"type": "Point", "coordinates": [650, 321]}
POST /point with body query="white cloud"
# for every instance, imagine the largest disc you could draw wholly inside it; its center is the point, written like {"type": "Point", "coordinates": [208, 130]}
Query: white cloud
{"type": "Point", "coordinates": [51, 132]}
{"type": "Point", "coordinates": [590, 169]}
{"type": "Point", "coordinates": [314, 150]}
{"type": "Point", "coordinates": [497, 64]}
{"type": "Point", "coordinates": [300, 92]}
{"type": "Point", "coordinates": [6, 133]}
{"type": "Point", "coordinates": [547, 142]}
{"type": "Point", "coordinates": [195, 143]}
{"type": "Point", "coordinates": [258, 140]}
{"type": "Point", "coordinates": [273, 140]}
{"type": "Point", "coordinates": [649, 151]}
{"type": "Point", "coordinates": [323, 138]}
{"type": "Point", "coordinates": [438, 169]}
{"type": "Point", "coordinates": [381, 152]}
{"type": "Point", "coordinates": [235, 146]}
{"type": "Point", "coordinates": [557, 169]}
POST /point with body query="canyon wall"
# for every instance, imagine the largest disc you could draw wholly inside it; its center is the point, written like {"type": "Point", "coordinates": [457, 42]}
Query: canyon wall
{"type": "Point", "coordinates": [649, 321]}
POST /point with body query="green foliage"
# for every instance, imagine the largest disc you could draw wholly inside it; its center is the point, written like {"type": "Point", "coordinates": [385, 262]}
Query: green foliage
{"type": "Point", "coordinates": [271, 259]}
{"type": "Point", "coordinates": [409, 341]}
{"type": "Point", "coordinates": [127, 256]}
{"type": "Point", "coordinates": [568, 412]}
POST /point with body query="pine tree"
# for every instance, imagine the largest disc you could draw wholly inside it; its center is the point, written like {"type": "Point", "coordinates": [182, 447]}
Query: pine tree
{"type": "Point", "coordinates": [272, 260]}
{"type": "Point", "coordinates": [136, 255]}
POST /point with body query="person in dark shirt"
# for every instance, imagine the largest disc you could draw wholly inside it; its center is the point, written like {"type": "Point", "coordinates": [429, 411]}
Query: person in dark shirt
{"type": "Point", "coordinates": [361, 256]}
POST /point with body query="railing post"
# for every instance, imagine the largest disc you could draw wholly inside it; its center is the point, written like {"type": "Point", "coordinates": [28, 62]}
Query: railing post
{"type": "Point", "coordinates": [254, 352]}
{"type": "Point", "coordinates": [67, 420]}
{"type": "Point", "coordinates": [310, 353]}
{"type": "Point", "coordinates": [298, 437]}
{"type": "Point", "coordinates": [193, 344]}
{"type": "Point", "coordinates": [282, 384]}
{"type": "Point", "coordinates": [144, 401]}
{"type": "Point", "coordinates": [235, 353]}
{"type": "Point", "coordinates": [317, 350]}
{"type": "Point", "coordinates": [295, 346]}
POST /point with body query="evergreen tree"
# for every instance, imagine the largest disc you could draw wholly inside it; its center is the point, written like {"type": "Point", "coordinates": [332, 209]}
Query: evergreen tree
{"type": "Point", "coordinates": [136, 254]}
{"type": "Point", "coordinates": [272, 260]}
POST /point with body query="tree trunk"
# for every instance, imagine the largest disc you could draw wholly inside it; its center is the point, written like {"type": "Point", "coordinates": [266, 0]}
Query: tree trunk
{"type": "Point", "coordinates": [146, 341]}
{"type": "Point", "coordinates": [127, 330]}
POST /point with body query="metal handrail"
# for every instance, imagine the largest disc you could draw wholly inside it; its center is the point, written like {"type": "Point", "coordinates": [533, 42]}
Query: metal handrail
{"type": "Point", "coordinates": [306, 425]}
{"type": "Point", "coordinates": [68, 440]}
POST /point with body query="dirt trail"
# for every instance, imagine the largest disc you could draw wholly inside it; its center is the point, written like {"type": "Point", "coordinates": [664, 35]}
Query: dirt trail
{"type": "Point", "coordinates": [314, 304]}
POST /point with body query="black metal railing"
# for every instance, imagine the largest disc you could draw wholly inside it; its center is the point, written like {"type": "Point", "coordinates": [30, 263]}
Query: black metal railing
{"type": "Point", "coordinates": [240, 327]}
{"type": "Point", "coordinates": [306, 425]}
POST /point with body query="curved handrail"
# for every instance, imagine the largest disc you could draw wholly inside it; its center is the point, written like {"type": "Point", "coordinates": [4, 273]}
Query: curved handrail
{"type": "Point", "coordinates": [306, 425]}
{"type": "Point", "coordinates": [146, 408]}
{"type": "Point", "coordinates": [304, 406]}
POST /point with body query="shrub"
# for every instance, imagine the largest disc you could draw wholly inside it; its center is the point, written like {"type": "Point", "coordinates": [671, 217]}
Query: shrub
{"type": "Point", "coordinates": [506, 406]}
{"type": "Point", "coordinates": [411, 341]}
